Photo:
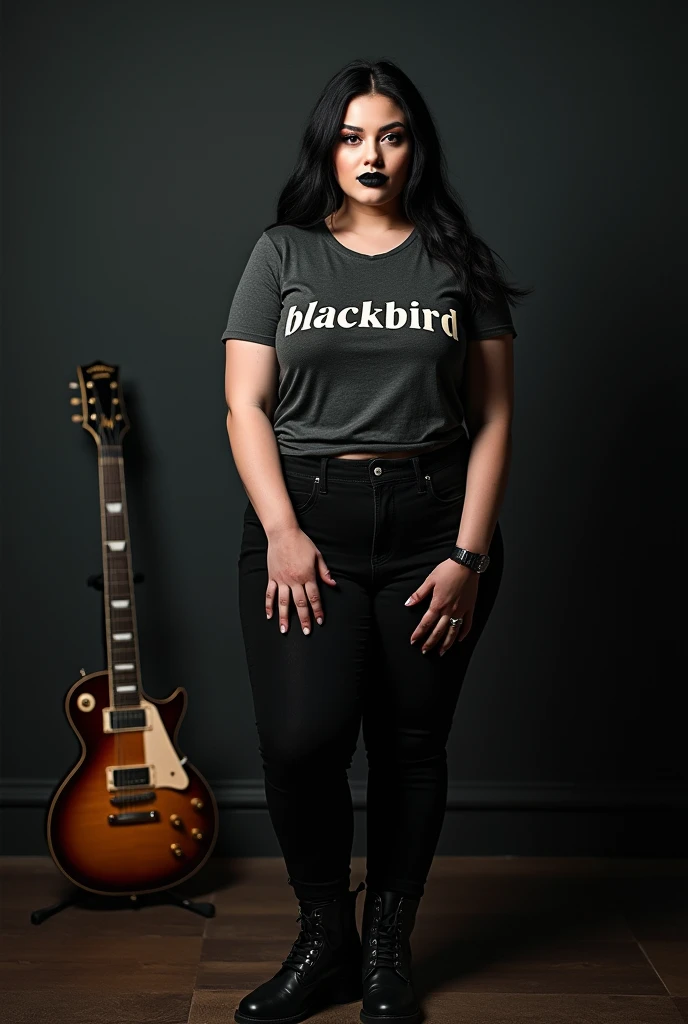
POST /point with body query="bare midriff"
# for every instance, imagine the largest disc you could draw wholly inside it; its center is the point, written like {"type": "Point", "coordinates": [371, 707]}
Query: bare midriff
{"type": "Point", "coordinates": [382, 455]}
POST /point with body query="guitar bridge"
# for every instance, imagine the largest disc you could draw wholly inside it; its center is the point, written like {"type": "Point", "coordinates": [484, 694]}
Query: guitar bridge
{"type": "Point", "coordinates": [132, 798]}
{"type": "Point", "coordinates": [133, 818]}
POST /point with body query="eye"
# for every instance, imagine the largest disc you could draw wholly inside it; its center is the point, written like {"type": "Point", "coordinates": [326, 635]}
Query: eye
{"type": "Point", "coordinates": [346, 138]}
{"type": "Point", "coordinates": [398, 138]}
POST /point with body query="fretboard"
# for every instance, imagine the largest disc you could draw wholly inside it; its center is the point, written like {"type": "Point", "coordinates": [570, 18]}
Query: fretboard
{"type": "Point", "coordinates": [120, 612]}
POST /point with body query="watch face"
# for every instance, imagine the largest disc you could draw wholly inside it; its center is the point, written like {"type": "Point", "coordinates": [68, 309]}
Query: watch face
{"type": "Point", "coordinates": [483, 564]}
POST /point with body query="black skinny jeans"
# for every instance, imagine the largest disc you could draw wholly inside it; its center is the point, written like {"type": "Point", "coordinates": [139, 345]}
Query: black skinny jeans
{"type": "Point", "coordinates": [382, 526]}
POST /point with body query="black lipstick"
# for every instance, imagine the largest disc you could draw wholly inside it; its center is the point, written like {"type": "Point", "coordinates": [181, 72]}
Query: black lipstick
{"type": "Point", "coordinates": [372, 179]}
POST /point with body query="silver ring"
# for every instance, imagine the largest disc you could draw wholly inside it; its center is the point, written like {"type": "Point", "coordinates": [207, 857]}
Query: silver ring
{"type": "Point", "coordinates": [453, 623]}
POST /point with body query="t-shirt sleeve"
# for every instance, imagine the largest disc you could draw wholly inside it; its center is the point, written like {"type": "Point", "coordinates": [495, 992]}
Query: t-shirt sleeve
{"type": "Point", "coordinates": [490, 319]}
{"type": "Point", "coordinates": [257, 303]}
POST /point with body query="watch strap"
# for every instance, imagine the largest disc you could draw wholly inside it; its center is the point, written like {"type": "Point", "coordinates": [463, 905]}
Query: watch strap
{"type": "Point", "coordinates": [472, 559]}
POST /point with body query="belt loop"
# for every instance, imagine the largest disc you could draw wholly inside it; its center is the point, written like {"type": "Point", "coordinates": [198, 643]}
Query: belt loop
{"type": "Point", "coordinates": [420, 479]}
{"type": "Point", "coordinates": [323, 474]}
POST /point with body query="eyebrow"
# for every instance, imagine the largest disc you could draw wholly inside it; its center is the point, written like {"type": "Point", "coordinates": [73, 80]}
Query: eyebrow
{"type": "Point", "coordinates": [382, 128]}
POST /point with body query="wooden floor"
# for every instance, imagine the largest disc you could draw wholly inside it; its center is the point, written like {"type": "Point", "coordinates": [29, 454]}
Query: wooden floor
{"type": "Point", "coordinates": [497, 940]}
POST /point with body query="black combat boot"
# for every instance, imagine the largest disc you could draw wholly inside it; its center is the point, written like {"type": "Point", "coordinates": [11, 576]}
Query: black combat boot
{"type": "Point", "coordinates": [323, 967]}
{"type": "Point", "coordinates": [388, 996]}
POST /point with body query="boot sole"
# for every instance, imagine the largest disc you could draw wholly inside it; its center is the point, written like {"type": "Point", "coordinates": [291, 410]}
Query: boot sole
{"type": "Point", "coordinates": [391, 1018]}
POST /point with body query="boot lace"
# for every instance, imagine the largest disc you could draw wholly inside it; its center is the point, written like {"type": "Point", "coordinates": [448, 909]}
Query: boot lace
{"type": "Point", "coordinates": [386, 943]}
{"type": "Point", "coordinates": [307, 944]}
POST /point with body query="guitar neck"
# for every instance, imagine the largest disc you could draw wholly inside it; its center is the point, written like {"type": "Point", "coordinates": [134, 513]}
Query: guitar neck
{"type": "Point", "coordinates": [118, 583]}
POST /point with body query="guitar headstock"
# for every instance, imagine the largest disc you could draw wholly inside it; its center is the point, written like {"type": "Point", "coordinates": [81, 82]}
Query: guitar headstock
{"type": "Point", "coordinates": [102, 405]}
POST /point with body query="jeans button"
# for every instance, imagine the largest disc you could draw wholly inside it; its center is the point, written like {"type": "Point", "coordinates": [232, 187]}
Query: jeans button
{"type": "Point", "coordinates": [378, 470]}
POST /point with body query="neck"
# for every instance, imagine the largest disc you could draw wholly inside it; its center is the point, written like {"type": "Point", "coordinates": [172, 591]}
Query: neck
{"type": "Point", "coordinates": [360, 219]}
{"type": "Point", "coordinates": [118, 584]}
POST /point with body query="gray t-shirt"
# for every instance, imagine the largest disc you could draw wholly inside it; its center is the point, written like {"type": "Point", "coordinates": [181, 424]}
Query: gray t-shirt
{"type": "Point", "coordinates": [370, 348]}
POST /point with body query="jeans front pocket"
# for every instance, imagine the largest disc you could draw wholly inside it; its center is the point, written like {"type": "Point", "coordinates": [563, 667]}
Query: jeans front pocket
{"type": "Point", "coordinates": [303, 492]}
{"type": "Point", "coordinates": [447, 484]}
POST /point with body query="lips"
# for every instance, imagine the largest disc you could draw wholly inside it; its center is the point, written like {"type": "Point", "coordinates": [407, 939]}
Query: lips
{"type": "Point", "coordinates": [372, 180]}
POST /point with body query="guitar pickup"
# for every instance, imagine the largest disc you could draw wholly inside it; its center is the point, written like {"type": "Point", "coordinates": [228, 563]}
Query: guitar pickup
{"type": "Point", "coordinates": [129, 776]}
{"type": "Point", "coordinates": [134, 719]}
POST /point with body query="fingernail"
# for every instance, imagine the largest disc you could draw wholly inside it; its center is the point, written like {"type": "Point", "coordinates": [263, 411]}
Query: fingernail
{"type": "Point", "coordinates": [283, 628]}
{"type": "Point", "coordinates": [442, 652]}
{"type": "Point", "coordinates": [267, 615]}
{"type": "Point", "coordinates": [319, 621]}
{"type": "Point", "coordinates": [425, 650]}
{"type": "Point", "coordinates": [413, 641]}
{"type": "Point", "coordinates": [408, 601]}
{"type": "Point", "coordinates": [306, 630]}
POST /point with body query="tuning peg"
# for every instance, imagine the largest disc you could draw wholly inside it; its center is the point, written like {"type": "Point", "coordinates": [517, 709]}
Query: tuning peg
{"type": "Point", "coordinates": [76, 418]}
{"type": "Point", "coordinates": [73, 384]}
{"type": "Point", "coordinates": [75, 401]}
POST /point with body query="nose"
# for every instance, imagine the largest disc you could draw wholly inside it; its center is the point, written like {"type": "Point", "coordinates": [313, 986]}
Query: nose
{"type": "Point", "coordinates": [373, 156]}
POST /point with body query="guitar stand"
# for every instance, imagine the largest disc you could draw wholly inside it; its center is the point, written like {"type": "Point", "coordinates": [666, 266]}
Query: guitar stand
{"type": "Point", "coordinates": [93, 901]}
{"type": "Point", "coordinates": [96, 901]}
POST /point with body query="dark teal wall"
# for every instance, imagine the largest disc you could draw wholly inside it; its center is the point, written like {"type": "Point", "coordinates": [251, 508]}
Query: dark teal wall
{"type": "Point", "coordinates": [144, 146]}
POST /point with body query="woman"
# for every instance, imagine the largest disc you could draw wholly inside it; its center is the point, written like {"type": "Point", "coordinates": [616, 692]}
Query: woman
{"type": "Point", "coordinates": [369, 322]}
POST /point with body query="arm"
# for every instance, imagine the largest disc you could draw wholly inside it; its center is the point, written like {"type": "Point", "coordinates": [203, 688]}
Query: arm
{"type": "Point", "coordinates": [487, 394]}
{"type": "Point", "coordinates": [250, 390]}
{"type": "Point", "coordinates": [488, 400]}
{"type": "Point", "coordinates": [293, 561]}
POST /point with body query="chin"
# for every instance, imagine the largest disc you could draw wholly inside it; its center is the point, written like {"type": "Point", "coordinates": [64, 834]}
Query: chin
{"type": "Point", "coordinates": [374, 194]}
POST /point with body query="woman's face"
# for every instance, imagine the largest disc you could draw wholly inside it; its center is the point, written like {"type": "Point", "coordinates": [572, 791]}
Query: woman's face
{"type": "Point", "coordinates": [374, 141]}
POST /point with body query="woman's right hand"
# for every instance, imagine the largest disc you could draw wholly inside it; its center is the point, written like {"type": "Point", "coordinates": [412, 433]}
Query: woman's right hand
{"type": "Point", "coordinates": [292, 562]}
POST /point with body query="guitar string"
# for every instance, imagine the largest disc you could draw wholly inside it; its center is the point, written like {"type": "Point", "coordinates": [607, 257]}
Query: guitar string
{"type": "Point", "coordinates": [108, 584]}
{"type": "Point", "coordinates": [107, 486]}
{"type": "Point", "coordinates": [125, 557]}
{"type": "Point", "coordinates": [129, 570]}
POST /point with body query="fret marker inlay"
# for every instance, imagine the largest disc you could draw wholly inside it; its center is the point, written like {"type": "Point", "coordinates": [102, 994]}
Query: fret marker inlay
{"type": "Point", "coordinates": [125, 689]}
{"type": "Point", "coordinates": [125, 666]}
{"type": "Point", "coordinates": [113, 506]}
{"type": "Point", "coordinates": [122, 636]}
{"type": "Point", "coordinates": [116, 545]}
{"type": "Point", "coordinates": [120, 602]}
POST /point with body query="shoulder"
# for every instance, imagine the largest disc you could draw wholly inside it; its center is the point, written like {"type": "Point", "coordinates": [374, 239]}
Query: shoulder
{"type": "Point", "coordinates": [287, 238]}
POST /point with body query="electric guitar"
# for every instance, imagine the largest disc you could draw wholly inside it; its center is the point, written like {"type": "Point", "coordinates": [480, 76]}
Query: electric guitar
{"type": "Point", "coordinates": [133, 815]}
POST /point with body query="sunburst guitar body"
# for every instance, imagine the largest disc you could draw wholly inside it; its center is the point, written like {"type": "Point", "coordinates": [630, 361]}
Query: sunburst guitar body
{"type": "Point", "coordinates": [133, 815]}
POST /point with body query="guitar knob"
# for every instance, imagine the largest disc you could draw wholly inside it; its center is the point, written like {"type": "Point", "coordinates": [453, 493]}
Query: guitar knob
{"type": "Point", "coordinates": [198, 804]}
{"type": "Point", "coordinates": [197, 834]}
{"type": "Point", "coordinates": [176, 820]}
{"type": "Point", "coordinates": [176, 849]}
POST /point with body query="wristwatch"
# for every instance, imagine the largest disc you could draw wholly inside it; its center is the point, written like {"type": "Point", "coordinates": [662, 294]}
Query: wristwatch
{"type": "Point", "coordinates": [478, 563]}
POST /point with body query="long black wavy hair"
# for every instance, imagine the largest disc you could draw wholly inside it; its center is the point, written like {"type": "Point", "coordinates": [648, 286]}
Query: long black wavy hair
{"type": "Point", "coordinates": [312, 191]}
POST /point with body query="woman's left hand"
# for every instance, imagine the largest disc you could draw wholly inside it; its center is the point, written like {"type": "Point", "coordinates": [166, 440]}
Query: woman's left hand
{"type": "Point", "coordinates": [454, 591]}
